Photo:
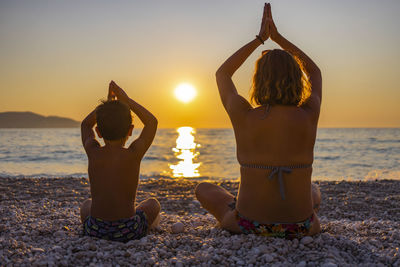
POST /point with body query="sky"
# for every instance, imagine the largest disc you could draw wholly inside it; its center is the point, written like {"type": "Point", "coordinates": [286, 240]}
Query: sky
{"type": "Point", "coordinates": [57, 57]}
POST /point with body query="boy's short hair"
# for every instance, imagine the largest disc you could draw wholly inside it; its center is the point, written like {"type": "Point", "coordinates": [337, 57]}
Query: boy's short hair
{"type": "Point", "coordinates": [113, 119]}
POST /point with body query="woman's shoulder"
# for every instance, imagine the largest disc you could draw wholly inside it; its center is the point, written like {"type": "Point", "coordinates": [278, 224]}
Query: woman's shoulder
{"type": "Point", "coordinates": [277, 113]}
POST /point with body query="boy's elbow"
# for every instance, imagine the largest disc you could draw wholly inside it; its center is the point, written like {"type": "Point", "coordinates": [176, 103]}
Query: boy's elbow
{"type": "Point", "coordinates": [86, 124]}
{"type": "Point", "coordinates": [83, 124]}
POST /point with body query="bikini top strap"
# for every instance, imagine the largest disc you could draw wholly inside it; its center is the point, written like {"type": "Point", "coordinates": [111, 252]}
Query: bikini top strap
{"type": "Point", "coordinates": [268, 167]}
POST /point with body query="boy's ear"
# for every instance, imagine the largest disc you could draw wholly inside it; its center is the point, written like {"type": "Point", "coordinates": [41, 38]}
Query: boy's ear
{"type": "Point", "coordinates": [130, 130]}
{"type": "Point", "coordinates": [98, 132]}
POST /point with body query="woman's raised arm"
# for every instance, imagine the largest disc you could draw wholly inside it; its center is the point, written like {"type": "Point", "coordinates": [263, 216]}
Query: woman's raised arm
{"type": "Point", "coordinates": [311, 68]}
{"type": "Point", "coordinates": [230, 98]}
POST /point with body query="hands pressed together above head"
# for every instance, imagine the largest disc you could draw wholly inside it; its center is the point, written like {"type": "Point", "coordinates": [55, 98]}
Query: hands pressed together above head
{"type": "Point", "coordinates": [268, 28]}
{"type": "Point", "coordinates": [116, 92]}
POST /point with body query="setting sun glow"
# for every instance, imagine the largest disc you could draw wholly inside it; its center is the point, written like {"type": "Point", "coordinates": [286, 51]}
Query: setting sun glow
{"type": "Point", "coordinates": [185, 92]}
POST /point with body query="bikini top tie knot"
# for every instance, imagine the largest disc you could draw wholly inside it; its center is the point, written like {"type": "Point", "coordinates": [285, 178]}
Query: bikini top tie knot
{"type": "Point", "coordinates": [278, 171]}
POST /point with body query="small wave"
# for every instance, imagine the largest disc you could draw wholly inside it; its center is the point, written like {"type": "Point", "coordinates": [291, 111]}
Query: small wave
{"type": "Point", "coordinates": [383, 174]}
{"type": "Point", "coordinates": [327, 140]}
{"type": "Point", "coordinates": [327, 158]}
{"type": "Point", "coordinates": [25, 159]}
{"type": "Point", "coordinates": [63, 152]}
{"type": "Point", "coordinates": [383, 150]}
{"type": "Point", "coordinates": [363, 165]}
{"type": "Point", "coordinates": [34, 158]}
{"type": "Point", "coordinates": [155, 158]}
{"type": "Point", "coordinates": [389, 141]}
{"type": "Point", "coordinates": [43, 175]}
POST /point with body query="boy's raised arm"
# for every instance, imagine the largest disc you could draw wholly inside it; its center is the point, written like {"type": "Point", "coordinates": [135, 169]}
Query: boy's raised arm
{"type": "Point", "coordinates": [143, 142]}
{"type": "Point", "coordinates": [87, 133]}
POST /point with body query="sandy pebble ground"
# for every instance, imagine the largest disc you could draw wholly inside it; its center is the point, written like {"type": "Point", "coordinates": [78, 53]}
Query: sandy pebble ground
{"type": "Point", "coordinates": [39, 226]}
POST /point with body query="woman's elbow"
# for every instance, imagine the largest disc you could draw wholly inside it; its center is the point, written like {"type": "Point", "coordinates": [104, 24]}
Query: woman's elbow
{"type": "Point", "coordinates": [154, 122]}
{"type": "Point", "coordinates": [223, 72]}
{"type": "Point", "coordinates": [315, 73]}
{"type": "Point", "coordinates": [318, 72]}
{"type": "Point", "coordinates": [218, 73]}
{"type": "Point", "coordinates": [222, 75]}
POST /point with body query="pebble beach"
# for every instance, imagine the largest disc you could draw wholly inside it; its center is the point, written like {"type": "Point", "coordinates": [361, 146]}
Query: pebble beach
{"type": "Point", "coordinates": [40, 226]}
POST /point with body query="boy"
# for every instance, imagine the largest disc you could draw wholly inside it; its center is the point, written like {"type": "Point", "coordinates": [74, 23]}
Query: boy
{"type": "Point", "coordinates": [114, 170]}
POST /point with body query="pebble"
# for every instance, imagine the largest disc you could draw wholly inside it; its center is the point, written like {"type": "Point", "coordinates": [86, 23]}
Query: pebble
{"type": "Point", "coordinates": [3, 228]}
{"type": "Point", "coordinates": [264, 249]}
{"type": "Point", "coordinates": [37, 250]}
{"type": "Point", "coordinates": [268, 258]}
{"type": "Point", "coordinates": [197, 223]}
{"type": "Point", "coordinates": [306, 240]}
{"type": "Point", "coordinates": [59, 233]}
{"type": "Point", "coordinates": [177, 228]}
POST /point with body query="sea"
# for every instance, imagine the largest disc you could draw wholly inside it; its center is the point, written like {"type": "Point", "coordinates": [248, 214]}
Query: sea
{"type": "Point", "coordinates": [201, 154]}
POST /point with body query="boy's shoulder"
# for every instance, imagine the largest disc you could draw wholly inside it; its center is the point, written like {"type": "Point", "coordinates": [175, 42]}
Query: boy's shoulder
{"type": "Point", "coordinates": [116, 152]}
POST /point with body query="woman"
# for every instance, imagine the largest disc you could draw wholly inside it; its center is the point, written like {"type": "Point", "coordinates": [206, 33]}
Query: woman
{"type": "Point", "coordinates": [275, 141]}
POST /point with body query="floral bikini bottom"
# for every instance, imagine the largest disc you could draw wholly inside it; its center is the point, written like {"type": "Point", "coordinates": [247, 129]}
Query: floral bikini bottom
{"type": "Point", "coordinates": [282, 230]}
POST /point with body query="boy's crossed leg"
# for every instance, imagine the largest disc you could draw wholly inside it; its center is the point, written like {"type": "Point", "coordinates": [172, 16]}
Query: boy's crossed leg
{"type": "Point", "coordinates": [151, 207]}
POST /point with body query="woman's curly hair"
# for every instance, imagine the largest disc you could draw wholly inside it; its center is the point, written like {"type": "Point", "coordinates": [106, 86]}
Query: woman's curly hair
{"type": "Point", "coordinates": [279, 78]}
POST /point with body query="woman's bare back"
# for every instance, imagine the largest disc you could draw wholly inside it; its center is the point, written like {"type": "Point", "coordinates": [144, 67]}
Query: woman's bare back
{"type": "Point", "coordinates": [285, 136]}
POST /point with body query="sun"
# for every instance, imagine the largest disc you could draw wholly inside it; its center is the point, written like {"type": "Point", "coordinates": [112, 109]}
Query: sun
{"type": "Point", "coordinates": [185, 92]}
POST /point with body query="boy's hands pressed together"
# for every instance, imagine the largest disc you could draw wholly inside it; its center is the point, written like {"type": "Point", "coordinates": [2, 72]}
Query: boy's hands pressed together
{"type": "Point", "coordinates": [111, 95]}
{"type": "Point", "coordinates": [114, 91]}
{"type": "Point", "coordinates": [143, 142]}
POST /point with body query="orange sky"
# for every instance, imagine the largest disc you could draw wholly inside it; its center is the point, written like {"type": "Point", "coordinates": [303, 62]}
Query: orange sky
{"type": "Point", "coordinates": [56, 58]}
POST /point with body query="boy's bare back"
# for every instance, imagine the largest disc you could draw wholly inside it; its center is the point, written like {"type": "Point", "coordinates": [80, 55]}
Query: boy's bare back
{"type": "Point", "coordinates": [113, 173]}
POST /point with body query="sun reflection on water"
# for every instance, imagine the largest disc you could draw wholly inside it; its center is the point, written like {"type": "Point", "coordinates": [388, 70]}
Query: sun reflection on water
{"type": "Point", "coordinates": [185, 152]}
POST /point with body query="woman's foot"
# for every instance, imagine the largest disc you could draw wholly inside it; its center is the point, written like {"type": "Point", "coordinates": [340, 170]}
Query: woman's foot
{"type": "Point", "coordinates": [316, 197]}
{"type": "Point", "coordinates": [217, 200]}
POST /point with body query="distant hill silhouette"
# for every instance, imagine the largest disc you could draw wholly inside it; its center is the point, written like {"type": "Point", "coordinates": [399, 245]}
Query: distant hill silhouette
{"type": "Point", "coordinates": [33, 120]}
